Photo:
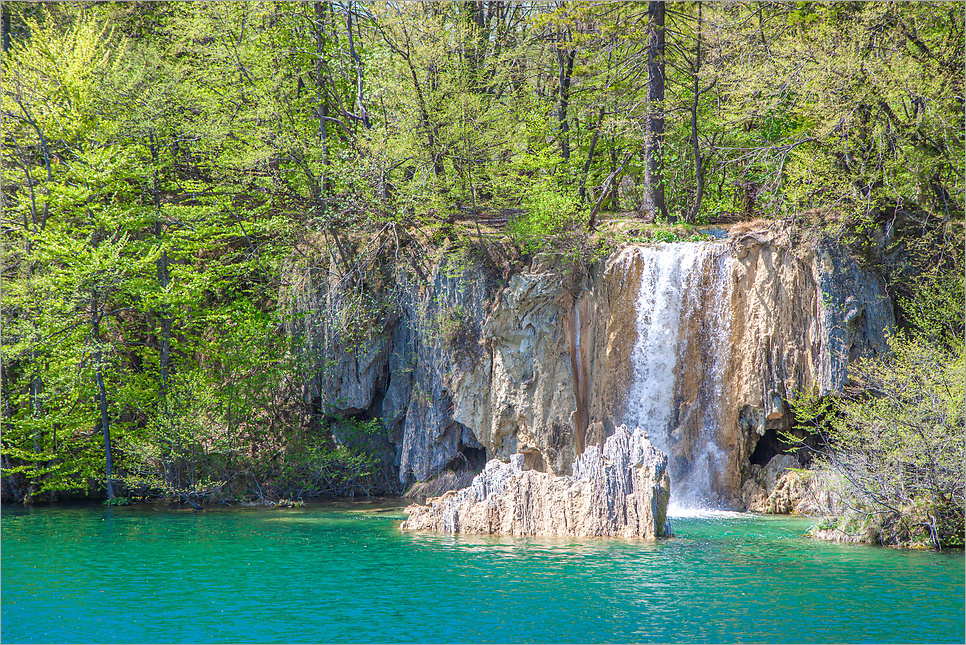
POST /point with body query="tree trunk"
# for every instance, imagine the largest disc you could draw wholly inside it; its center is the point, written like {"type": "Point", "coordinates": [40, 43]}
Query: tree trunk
{"type": "Point", "coordinates": [164, 279]}
{"type": "Point", "coordinates": [106, 429]}
{"type": "Point", "coordinates": [698, 164]}
{"type": "Point", "coordinates": [323, 105]}
{"type": "Point", "coordinates": [360, 106]}
{"type": "Point", "coordinates": [615, 191]}
{"type": "Point", "coordinates": [102, 400]}
{"type": "Point", "coordinates": [28, 117]}
{"type": "Point", "coordinates": [6, 30]}
{"type": "Point", "coordinates": [605, 190]}
{"type": "Point", "coordinates": [565, 69]}
{"type": "Point", "coordinates": [653, 203]}
{"type": "Point", "coordinates": [476, 46]}
{"type": "Point", "coordinates": [424, 116]}
{"type": "Point", "coordinates": [590, 156]}
{"type": "Point", "coordinates": [36, 384]}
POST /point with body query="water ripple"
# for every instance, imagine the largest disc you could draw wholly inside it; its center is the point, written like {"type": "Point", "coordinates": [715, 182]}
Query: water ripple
{"type": "Point", "coordinates": [343, 573]}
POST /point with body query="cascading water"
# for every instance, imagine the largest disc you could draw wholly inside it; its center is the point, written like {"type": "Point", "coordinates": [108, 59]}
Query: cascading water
{"type": "Point", "coordinates": [680, 360]}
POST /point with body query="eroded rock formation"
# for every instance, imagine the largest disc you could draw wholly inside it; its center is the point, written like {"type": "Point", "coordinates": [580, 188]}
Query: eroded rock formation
{"type": "Point", "coordinates": [519, 397]}
{"type": "Point", "coordinates": [620, 490]}
{"type": "Point", "coordinates": [801, 311]}
{"type": "Point", "coordinates": [782, 487]}
{"type": "Point", "coordinates": [471, 368]}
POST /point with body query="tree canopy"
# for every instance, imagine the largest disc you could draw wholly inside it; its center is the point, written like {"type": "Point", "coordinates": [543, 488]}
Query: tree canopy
{"type": "Point", "coordinates": [162, 162]}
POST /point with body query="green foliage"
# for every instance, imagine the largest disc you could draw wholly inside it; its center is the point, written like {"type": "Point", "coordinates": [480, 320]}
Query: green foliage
{"type": "Point", "coordinates": [936, 312]}
{"type": "Point", "coordinates": [847, 104]}
{"type": "Point", "coordinates": [551, 212]}
{"type": "Point", "coordinates": [672, 235]}
{"type": "Point", "coordinates": [124, 261]}
{"type": "Point", "coordinates": [350, 467]}
{"type": "Point", "coordinates": [165, 162]}
{"type": "Point", "coordinates": [455, 326]}
{"type": "Point", "coordinates": [828, 524]}
{"type": "Point", "coordinates": [665, 236]}
{"type": "Point", "coordinates": [894, 441]}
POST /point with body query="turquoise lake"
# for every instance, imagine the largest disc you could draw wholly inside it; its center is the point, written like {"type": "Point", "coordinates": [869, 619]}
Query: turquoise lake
{"type": "Point", "coordinates": [343, 572]}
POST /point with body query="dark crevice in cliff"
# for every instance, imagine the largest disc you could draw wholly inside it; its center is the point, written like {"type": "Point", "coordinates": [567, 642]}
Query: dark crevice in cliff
{"type": "Point", "coordinates": [467, 458]}
{"type": "Point", "coordinates": [768, 446]}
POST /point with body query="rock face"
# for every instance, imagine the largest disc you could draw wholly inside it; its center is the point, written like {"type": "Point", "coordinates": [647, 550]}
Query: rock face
{"type": "Point", "coordinates": [801, 312]}
{"type": "Point", "coordinates": [470, 367]}
{"type": "Point", "coordinates": [401, 368]}
{"type": "Point", "coordinates": [519, 397]}
{"type": "Point", "coordinates": [620, 490]}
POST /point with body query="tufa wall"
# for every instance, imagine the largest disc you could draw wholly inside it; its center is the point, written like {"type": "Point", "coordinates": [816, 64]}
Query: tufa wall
{"type": "Point", "coordinates": [466, 368]}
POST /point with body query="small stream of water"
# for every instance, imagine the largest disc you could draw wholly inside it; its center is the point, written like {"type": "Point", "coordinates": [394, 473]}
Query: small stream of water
{"type": "Point", "coordinates": [343, 572]}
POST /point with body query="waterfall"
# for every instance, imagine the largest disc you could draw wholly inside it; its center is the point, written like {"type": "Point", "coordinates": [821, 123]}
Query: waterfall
{"type": "Point", "coordinates": [680, 360]}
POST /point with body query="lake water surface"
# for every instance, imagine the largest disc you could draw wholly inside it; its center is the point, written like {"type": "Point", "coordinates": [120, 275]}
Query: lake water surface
{"type": "Point", "coordinates": [343, 572]}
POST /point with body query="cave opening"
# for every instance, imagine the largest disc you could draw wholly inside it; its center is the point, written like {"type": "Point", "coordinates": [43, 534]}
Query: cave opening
{"type": "Point", "coordinates": [475, 457]}
{"type": "Point", "coordinates": [768, 447]}
{"type": "Point", "coordinates": [468, 458]}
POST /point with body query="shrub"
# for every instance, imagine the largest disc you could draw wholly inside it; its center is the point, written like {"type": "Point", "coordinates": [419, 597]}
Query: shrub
{"type": "Point", "coordinates": [551, 211]}
{"type": "Point", "coordinates": [894, 439]}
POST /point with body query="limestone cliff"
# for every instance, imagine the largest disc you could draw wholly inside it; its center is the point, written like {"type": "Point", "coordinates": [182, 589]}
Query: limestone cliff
{"type": "Point", "coordinates": [469, 368]}
{"type": "Point", "coordinates": [801, 311]}
{"type": "Point", "coordinates": [390, 354]}
{"type": "Point", "coordinates": [622, 490]}
{"type": "Point", "coordinates": [519, 396]}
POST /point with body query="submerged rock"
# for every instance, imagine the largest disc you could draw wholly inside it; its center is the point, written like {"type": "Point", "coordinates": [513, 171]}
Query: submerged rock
{"type": "Point", "coordinates": [443, 483]}
{"type": "Point", "coordinates": [620, 490]}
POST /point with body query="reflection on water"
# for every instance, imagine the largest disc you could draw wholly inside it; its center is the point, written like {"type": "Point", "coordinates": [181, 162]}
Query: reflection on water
{"type": "Point", "coordinates": [345, 573]}
{"type": "Point", "coordinates": [562, 545]}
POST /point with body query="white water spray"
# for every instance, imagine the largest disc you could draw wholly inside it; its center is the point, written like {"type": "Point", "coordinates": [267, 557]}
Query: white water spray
{"type": "Point", "coordinates": [680, 359]}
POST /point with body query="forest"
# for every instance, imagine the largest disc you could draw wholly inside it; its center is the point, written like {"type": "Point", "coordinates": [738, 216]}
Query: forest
{"type": "Point", "coordinates": [165, 163]}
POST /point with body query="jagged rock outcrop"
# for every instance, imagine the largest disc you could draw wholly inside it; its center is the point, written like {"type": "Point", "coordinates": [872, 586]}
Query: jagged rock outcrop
{"type": "Point", "coordinates": [620, 490]}
{"type": "Point", "coordinates": [801, 492]}
{"type": "Point", "coordinates": [775, 487]}
{"type": "Point", "coordinates": [782, 487]}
